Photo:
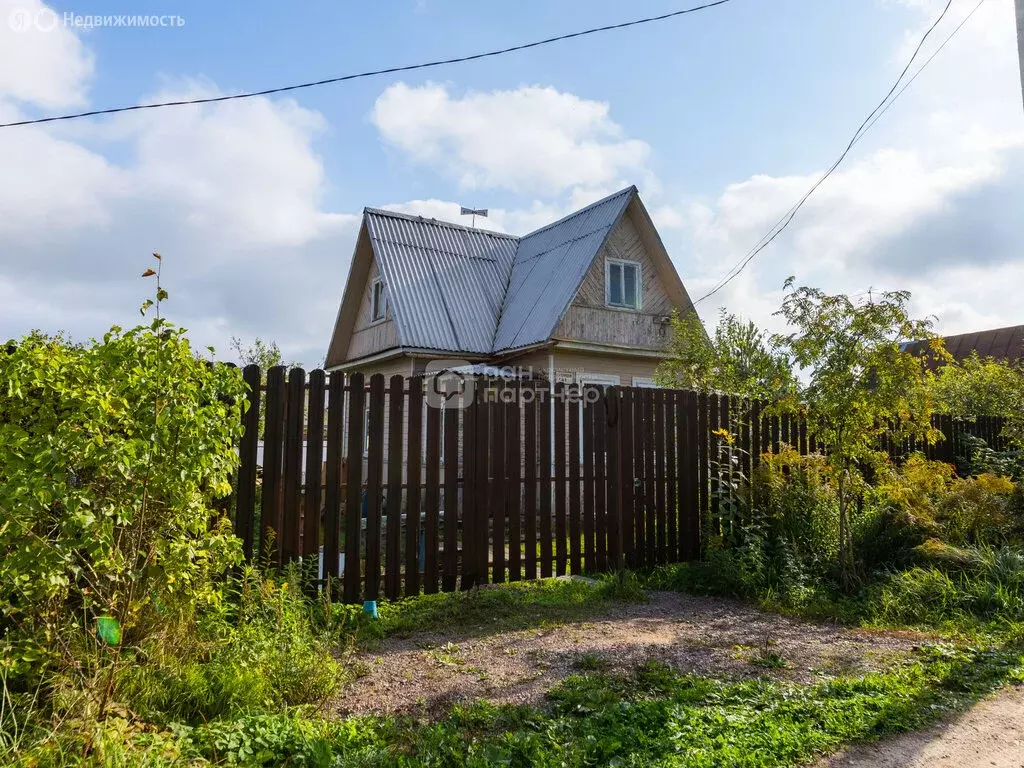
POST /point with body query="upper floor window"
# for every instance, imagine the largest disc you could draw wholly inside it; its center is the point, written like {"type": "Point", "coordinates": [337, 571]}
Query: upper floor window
{"type": "Point", "coordinates": [379, 301]}
{"type": "Point", "coordinates": [622, 284]}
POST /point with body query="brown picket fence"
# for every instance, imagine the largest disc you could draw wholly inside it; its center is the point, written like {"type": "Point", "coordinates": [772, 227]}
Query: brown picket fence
{"type": "Point", "coordinates": [386, 494]}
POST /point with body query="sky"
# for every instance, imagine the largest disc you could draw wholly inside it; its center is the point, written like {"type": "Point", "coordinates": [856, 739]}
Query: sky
{"type": "Point", "coordinates": [722, 118]}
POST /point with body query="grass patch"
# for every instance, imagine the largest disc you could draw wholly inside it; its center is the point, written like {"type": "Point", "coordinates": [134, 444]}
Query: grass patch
{"type": "Point", "coordinates": [500, 608]}
{"type": "Point", "coordinates": [653, 716]}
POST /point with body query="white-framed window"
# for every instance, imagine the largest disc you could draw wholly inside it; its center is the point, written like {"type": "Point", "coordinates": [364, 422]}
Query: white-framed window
{"type": "Point", "coordinates": [643, 381]}
{"type": "Point", "coordinates": [378, 301]}
{"type": "Point", "coordinates": [622, 284]}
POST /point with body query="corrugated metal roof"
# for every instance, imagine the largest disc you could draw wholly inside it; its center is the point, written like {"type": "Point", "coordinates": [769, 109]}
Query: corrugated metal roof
{"type": "Point", "coordinates": [458, 289]}
{"type": "Point", "coordinates": [549, 267]}
{"type": "Point", "coordinates": [1000, 343]}
{"type": "Point", "coordinates": [445, 283]}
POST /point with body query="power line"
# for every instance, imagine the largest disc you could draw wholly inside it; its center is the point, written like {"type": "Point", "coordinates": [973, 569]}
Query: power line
{"type": "Point", "coordinates": [872, 118]}
{"type": "Point", "coordinates": [373, 73]}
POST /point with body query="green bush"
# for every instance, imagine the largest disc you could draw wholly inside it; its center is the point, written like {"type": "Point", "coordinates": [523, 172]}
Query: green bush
{"type": "Point", "coordinates": [266, 653]}
{"type": "Point", "coordinates": [112, 456]}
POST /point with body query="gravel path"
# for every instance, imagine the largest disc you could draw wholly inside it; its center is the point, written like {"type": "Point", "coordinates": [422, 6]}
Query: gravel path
{"type": "Point", "coordinates": [427, 673]}
{"type": "Point", "coordinates": [990, 734]}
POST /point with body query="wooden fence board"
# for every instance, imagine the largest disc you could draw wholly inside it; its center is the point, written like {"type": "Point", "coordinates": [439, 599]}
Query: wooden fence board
{"type": "Point", "coordinates": [673, 408]}
{"type": "Point", "coordinates": [333, 479]}
{"type": "Point", "coordinates": [414, 493]}
{"type": "Point", "coordinates": [650, 482]}
{"type": "Point", "coordinates": [530, 480]}
{"type": "Point", "coordinates": [513, 485]}
{"type": "Point", "coordinates": [598, 420]}
{"type": "Point", "coordinates": [575, 459]}
{"type": "Point", "coordinates": [313, 480]}
{"type": "Point", "coordinates": [561, 550]}
{"type": "Point", "coordinates": [660, 491]}
{"type": "Point", "coordinates": [374, 486]}
{"type": "Point", "coordinates": [273, 454]}
{"type": "Point", "coordinates": [546, 489]}
{"type": "Point", "coordinates": [499, 413]}
{"type": "Point", "coordinates": [450, 577]}
{"type": "Point", "coordinates": [248, 453]}
{"type": "Point", "coordinates": [354, 503]}
{"type": "Point", "coordinates": [393, 545]}
{"type": "Point", "coordinates": [628, 515]}
{"type": "Point", "coordinates": [615, 524]}
{"type": "Point", "coordinates": [432, 502]}
{"type": "Point", "coordinates": [589, 482]}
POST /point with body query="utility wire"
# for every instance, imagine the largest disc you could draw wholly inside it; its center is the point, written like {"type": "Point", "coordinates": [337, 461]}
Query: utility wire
{"type": "Point", "coordinates": [373, 73]}
{"type": "Point", "coordinates": [882, 107]}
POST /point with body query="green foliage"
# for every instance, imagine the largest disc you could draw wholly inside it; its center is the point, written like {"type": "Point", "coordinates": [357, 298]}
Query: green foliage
{"type": "Point", "coordinates": [265, 652]}
{"type": "Point", "coordinates": [977, 386]}
{"type": "Point", "coordinates": [112, 455]}
{"type": "Point", "coordinates": [739, 359]}
{"type": "Point", "coordinates": [861, 384]}
{"type": "Point", "coordinates": [265, 354]}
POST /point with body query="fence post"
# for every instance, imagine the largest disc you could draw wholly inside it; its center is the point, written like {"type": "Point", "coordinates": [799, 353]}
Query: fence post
{"type": "Point", "coordinates": [245, 503]}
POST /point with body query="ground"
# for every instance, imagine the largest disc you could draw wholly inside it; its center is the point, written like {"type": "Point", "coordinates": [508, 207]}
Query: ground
{"type": "Point", "coordinates": [991, 734]}
{"type": "Point", "coordinates": [425, 673]}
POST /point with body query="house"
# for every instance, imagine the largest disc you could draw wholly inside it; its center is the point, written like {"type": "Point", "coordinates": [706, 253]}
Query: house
{"type": "Point", "coordinates": [585, 299]}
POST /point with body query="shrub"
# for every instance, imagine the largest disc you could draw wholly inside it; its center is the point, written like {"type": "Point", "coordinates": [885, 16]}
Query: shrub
{"type": "Point", "coordinates": [267, 653]}
{"type": "Point", "coordinates": [112, 455]}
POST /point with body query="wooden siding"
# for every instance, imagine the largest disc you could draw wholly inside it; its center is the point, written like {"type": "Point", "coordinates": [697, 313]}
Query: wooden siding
{"type": "Point", "coordinates": [623, 366]}
{"type": "Point", "coordinates": [589, 319]}
{"type": "Point", "coordinates": [369, 337]}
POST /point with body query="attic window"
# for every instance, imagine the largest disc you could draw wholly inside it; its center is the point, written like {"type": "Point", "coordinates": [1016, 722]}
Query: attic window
{"type": "Point", "coordinates": [379, 302]}
{"type": "Point", "coordinates": [622, 284]}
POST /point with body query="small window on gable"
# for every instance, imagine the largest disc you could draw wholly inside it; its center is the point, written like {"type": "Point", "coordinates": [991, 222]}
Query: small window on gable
{"type": "Point", "coordinates": [622, 287]}
{"type": "Point", "coordinates": [379, 301]}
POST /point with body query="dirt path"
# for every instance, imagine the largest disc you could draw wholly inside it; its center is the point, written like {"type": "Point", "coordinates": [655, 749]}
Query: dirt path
{"type": "Point", "coordinates": [990, 734]}
{"type": "Point", "coordinates": [427, 673]}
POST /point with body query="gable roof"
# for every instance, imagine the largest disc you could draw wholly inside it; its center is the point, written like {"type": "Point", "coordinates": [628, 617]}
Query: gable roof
{"type": "Point", "coordinates": [456, 289]}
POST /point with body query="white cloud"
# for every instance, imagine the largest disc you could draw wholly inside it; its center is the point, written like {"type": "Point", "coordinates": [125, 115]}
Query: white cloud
{"type": "Point", "coordinates": [532, 140]}
{"type": "Point", "coordinates": [39, 64]}
{"type": "Point", "coordinates": [231, 194]}
{"type": "Point", "coordinates": [929, 201]}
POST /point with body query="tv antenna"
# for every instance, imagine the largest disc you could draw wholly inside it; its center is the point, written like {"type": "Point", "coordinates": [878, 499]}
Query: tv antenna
{"type": "Point", "coordinates": [474, 212]}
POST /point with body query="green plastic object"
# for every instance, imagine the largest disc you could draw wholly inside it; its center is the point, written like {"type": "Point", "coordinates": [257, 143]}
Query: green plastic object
{"type": "Point", "coordinates": [108, 629]}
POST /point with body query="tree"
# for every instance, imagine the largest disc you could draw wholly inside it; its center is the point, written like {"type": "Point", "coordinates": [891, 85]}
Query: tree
{"type": "Point", "coordinates": [982, 386]}
{"type": "Point", "coordinates": [739, 359]}
{"type": "Point", "coordinates": [861, 384]}
{"type": "Point", "coordinates": [265, 354]}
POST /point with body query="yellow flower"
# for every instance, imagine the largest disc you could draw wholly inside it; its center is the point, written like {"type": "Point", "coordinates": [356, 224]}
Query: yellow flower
{"type": "Point", "coordinates": [723, 434]}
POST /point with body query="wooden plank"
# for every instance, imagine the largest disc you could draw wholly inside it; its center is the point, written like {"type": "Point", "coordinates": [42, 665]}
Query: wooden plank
{"type": "Point", "coordinates": [354, 486]}
{"type": "Point", "coordinates": [625, 481]}
{"type": "Point", "coordinates": [673, 412]}
{"type": "Point", "coordinates": [393, 534]}
{"type": "Point", "coordinates": [746, 416]}
{"type": "Point", "coordinates": [414, 492]}
{"type": "Point", "coordinates": [530, 479]}
{"type": "Point", "coordinates": [314, 465]}
{"type": "Point", "coordinates": [659, 456]}
{"type": "Point", "coordinates": [472, 500]}
{"type": "Point", "coordinates": [588, 408]}
{"type": "Point", "coordinates": [294, 411]}
{"type": "Point", "coordinates": [374, 487]}
{"type": "Point", "coordinates": [544, 409]}
{"type": "Point", "coordinates": [714, 466]}
{"type": "Point", "coordinates": [498, 486]}
{"type": "Point", "coordinates": [248, 454]}
{"type": "Point", "coordinates": [480, 545]}
{"type": "Point", "coordinates": [273, 454]}
{"type": "Point", "coordinates": [561, 532]}
{"type": "Point", "coordinates": [432, 502]}
{"type": "Point", "coordinates": [333, 479]}
{"type": "Point", "coordinates": [599, 422]}
{"type": "Point", "coordinates": [573, 407]}
{"type": "Point", "coordinates": [449, 580]}
{"type": "Point", "coordinates": [703, 455]}
{"type": "Point", "coordinates": [514, 486]}
{"type": "Point", "coordinates": [646, 400]}
{"type": "Point", "coordinates": [614, 522]}
{"type": "Point", "coordinates": [691, 460]}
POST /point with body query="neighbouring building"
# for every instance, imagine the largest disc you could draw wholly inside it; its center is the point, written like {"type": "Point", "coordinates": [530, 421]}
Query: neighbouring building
{"type": "Point", "coordinates": [587, 298]}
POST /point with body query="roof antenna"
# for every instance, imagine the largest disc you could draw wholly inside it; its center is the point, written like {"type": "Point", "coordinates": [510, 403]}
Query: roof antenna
{"type": "Point", "coordinates": [474, 212]}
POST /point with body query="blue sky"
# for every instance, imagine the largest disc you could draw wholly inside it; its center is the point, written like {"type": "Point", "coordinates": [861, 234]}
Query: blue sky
{"type": "Point", "coordinates": [722, 119]}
